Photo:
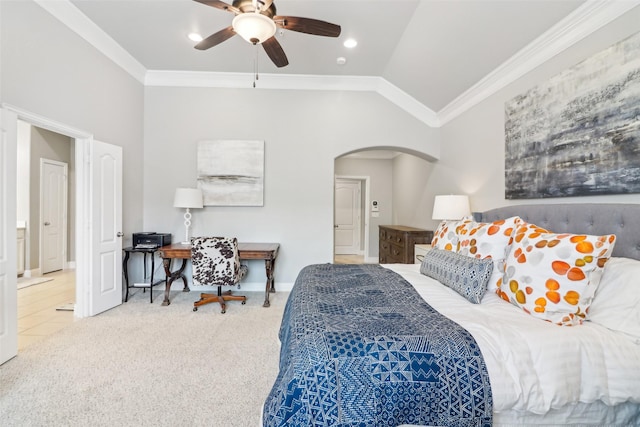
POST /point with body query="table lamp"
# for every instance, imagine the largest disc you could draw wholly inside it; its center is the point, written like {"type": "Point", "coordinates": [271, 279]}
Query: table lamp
{"type": "Point", "coordinates": [450, 207]}
{"type": "Point", "coordinates": [187, 198]}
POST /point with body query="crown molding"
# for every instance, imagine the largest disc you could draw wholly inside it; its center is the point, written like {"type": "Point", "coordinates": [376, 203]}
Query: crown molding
{"type": "Point", "coordinates": [78, 22]}
{"type": "Point", "coordinates": [586, 19]}
{"type": "Point", "coordinates": [295, 82]}
{"type": "Point", "coordinates": [408, 103]}
{"type": "Point", "coordinates": [265, 80]}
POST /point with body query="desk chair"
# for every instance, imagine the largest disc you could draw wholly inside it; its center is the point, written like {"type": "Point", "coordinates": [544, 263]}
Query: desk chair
{"type": "Point", "coordinates": [215, 261]}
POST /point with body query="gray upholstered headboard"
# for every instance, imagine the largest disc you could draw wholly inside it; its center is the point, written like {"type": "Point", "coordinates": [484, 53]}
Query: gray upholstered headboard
{"type": "Point", "coordinates": [623, 220]}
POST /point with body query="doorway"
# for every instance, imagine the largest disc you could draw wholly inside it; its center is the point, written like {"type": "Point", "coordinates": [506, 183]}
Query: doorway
{"type": "Point", "coordinates": [348, 215]}
{"type": "Point", "coordinates": [351, 224]}
{"type": "Point", "coordinates": [98, 206]}
{"type": "Point", "coordinates": [44, 204]}
{"type": "Point", "coordinates": [45, 198]}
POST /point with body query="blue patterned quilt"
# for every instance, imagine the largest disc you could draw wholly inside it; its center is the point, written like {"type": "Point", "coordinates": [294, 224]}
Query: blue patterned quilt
{"type": "Point", "coordinates": [360, 347]}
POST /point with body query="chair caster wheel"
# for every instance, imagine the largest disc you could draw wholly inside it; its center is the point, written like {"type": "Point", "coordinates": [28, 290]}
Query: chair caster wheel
{"type": "Point", "coordinates": [195, 308]}
{"type": "Point", "coordinates": [223, 311]}
{"type": "Point", "coordinates": [244, 302]}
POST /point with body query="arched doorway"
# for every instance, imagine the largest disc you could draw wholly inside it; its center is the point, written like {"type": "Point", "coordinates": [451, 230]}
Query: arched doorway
{"type": "Point", "coordinates": [392, 183]}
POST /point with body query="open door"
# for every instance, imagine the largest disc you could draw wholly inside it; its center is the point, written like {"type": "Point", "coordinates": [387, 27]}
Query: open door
{"type": "Point", "coordinates": [105, 172]}
{"type": "Point", "coordinates": [98, 215]}
{"type": "Point", "coordinates": [8, 240]}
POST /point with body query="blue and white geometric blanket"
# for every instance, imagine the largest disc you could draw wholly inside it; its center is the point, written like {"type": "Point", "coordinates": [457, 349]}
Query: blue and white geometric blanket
{"type": "Point", "coordinates": [360, 347]}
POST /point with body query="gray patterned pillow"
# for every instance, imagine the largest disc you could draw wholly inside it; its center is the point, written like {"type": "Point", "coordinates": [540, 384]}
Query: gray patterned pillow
{"type": "Point", "coordinates": [466, 275]}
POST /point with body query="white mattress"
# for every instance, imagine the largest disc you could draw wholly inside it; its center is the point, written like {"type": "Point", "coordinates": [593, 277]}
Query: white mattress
{"type": "Point", "coordinates": [543, 373]}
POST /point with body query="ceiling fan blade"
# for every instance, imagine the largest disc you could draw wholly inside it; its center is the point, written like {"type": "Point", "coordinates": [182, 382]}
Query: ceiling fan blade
{"type": "Point", "coordinates": [220, 5]}
{"type": "Point", "coordinates": [275, 52]}
{"type": "Point", "coordinates": [308, 26]}
{"type": "Point", "coordinates": [216, 38]}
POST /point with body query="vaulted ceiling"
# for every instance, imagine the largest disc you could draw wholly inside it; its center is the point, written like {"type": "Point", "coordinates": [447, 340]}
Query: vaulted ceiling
{"type": "Point", "coordinates": [431, 51]}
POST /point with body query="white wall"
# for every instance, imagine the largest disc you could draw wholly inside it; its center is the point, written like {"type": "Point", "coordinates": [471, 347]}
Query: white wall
{"type": "Point", "coordinates": [473, 144]}
{"type": "Point", "coordinates": [304, 131]}
{"type": "Point", "coordinates": [412, 205]}
{"type": "Point", "coordinates": [48, 70]}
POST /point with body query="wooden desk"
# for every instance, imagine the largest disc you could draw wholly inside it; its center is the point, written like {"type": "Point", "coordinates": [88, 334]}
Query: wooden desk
{"type": "Point", "coordinates": [266, 251]}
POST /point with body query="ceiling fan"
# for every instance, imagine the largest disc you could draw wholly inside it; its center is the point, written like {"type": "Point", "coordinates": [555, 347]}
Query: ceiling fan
{"type": "Point", "coordinates": [256, 22]}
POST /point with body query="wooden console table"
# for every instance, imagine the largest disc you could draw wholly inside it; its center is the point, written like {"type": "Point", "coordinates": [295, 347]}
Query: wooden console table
{"type": "Point", "coordinates": [266, 251]}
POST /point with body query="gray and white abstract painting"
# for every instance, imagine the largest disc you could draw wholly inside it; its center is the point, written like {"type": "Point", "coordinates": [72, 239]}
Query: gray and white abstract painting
{"type": "Point", "coordinates": [578, 134]}
{"type": "Point", "coordinates": [231, 173]}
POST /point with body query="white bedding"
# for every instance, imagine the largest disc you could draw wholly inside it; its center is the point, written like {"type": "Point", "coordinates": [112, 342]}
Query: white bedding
{"type": "Point", "coordinates": [536, 367]}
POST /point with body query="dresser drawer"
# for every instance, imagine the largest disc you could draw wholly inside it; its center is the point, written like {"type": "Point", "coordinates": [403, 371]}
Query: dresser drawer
{"type": "Point", "coordinates": [393, 255]}
{"type": "Point", "coordinates": [396, 237]}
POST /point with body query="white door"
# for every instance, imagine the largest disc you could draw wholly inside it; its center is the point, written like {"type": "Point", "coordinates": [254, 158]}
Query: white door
{"type": "Point", "coordinates": [53, 217]}
{"type": "Point", "coordinates": [347, 217]}
{"type": "Point", "coordinates": [8, 273]}
{"type": "Point", "coordinates": [105, 172]}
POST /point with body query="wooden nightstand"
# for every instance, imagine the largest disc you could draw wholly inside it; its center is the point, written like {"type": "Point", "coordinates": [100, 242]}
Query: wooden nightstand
{"type": "Point", "coordinates": [419, 252]}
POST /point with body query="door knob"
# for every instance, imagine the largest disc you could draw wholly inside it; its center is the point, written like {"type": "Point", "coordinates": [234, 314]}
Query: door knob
{"type": "Point", "coordinates": [47, 223]}
{"type": "Point", "coordinates": [120, 234]}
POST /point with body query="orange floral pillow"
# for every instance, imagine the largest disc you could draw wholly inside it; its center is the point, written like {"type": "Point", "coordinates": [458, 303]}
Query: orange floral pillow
{"type": "Point", "coordinates": [488, 240]}
{"type": "Point", "coordinates": [445, 237]}
{"type": "Point", "coordinates": [554, 276]}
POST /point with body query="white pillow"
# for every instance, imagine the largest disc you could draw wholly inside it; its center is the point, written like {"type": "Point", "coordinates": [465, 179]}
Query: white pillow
{"type": "Point", "coordinates": [616, 304]}
{"type": "Point", "coordinates": [554, 276]}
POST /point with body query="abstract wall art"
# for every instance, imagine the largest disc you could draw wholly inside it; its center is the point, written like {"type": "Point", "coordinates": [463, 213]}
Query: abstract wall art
{"type": "Point", "coordinates": [578, 134]}
{"type": "Point", "coordinates": [231, 172]}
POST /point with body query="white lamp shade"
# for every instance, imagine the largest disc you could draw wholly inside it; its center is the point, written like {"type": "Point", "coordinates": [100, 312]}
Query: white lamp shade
{"type": "Point", "coordinates": [188, 198]}
{"type": "Point", "coordinates": [254, 27]}
{"type": "Point", "coordinates": [451, 207]}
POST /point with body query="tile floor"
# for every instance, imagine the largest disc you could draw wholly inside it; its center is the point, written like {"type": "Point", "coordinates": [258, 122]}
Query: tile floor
{"type": "Point", "coordinates": [37, 314]}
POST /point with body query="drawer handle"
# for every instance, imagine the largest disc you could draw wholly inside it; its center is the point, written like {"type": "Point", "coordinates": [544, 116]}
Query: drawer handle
{"type": "Point", "coordinates": [420, 258]}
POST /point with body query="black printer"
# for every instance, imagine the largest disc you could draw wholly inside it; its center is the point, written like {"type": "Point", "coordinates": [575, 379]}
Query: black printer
{"type": "Point", "coordinates": [150, 239]}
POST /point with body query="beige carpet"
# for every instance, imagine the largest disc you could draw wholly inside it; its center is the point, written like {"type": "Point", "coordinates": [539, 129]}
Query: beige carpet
{"type": "Point", "coordinates": [142, 364]}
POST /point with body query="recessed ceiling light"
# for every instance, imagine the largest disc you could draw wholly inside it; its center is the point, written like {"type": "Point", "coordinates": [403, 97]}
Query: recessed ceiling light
{"type": "Point", "coordinates": [195, 37]}
{"type": "Point", "coordinates": [341, 60]}
{"type": "Point", "coordinates": [350, 43]}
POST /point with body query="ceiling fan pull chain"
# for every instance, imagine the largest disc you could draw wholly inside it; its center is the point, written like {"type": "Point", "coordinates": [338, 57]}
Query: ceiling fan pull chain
{"type": "Point", "coordinates": [255, 66]}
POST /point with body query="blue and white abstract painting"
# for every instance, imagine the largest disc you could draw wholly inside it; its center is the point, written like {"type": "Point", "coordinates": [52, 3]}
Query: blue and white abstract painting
{"type": "Point", "coordinates": [231, 172]}
{"type": "Point", "coordinates": [578, 134]}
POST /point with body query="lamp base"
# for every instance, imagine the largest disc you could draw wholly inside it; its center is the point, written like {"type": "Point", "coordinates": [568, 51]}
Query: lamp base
{"type": "Point", "coordinates": [187, 224]}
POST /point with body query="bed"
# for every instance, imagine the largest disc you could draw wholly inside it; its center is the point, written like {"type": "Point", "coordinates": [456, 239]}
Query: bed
{"type": "Point", "coordinates": [391, 345]}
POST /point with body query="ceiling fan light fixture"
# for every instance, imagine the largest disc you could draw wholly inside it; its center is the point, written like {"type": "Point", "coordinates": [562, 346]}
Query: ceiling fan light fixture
{"type": "Point", "coordinates": [254, 27]}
